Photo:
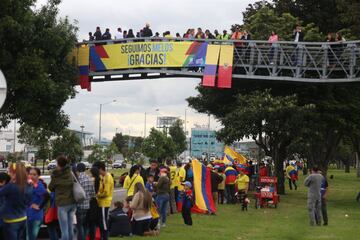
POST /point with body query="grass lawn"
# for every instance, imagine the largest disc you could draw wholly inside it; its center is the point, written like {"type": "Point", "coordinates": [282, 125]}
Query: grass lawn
{"type": "Point", "coordinates": [288, 221]}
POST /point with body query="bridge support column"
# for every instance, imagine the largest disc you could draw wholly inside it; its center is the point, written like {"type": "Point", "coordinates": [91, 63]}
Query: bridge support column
{"type": "Point", "coordinates": [325, 48]}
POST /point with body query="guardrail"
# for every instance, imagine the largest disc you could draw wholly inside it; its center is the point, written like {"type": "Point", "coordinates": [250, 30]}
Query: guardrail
{"type": "Point", "coordinates": [322, 62]}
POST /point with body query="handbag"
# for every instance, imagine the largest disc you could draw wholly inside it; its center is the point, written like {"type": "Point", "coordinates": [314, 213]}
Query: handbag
{"type": "Point", "coordinates": [78, 191]}
{"type": "Point", "coordinates": [51, 215]}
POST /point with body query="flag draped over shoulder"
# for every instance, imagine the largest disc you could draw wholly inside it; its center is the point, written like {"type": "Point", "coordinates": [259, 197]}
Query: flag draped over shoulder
{"type": "Point", "coordinates": [231, 156]}
{"type": "Point", "coordinates": [204, 202]}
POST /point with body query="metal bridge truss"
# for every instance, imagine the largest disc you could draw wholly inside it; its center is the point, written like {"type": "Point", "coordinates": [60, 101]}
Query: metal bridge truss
{"type": "Point", "coordinates": [317, 62]}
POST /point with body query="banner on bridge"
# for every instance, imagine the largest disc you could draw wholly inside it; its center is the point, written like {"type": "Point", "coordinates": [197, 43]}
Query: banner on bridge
{"type": "Point", "coordinates": [147, 55]}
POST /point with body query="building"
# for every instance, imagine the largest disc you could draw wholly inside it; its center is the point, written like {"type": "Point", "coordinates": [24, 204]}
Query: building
{"type": "Point", "coordinates": [203, 142]}
{"type": "Point", "coordinates": [247, 148]}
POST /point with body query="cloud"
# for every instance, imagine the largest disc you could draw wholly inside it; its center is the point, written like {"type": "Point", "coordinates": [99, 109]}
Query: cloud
{"type": "Point", "coordinates": [134, 98]}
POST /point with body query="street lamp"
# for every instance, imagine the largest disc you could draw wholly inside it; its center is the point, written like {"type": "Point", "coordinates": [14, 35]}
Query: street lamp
{"type": "Point", "coordinates": [82, 136]}
{"type": "Point", "coordinates": [101, 104]}
{"type": "Point", "coordinates": [156, 110]}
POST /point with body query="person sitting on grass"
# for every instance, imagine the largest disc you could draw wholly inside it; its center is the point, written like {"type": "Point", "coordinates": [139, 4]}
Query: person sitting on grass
{"type": "Point", "coordinates": [141, 218]}
{"type": "Point", "coordinates": [119, 222]}
{"type": "Point", "coordinates": [187, 203]}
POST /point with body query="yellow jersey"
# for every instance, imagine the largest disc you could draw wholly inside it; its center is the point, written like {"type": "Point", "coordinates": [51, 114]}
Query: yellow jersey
{"type": "Point", "coordinates": [129, 183]}
{"type": "Point", "coordinates": [242, 182]}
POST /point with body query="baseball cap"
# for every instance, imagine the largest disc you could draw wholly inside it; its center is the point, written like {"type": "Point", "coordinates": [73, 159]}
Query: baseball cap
{"type": "Point", "coordinates": [188, 184]}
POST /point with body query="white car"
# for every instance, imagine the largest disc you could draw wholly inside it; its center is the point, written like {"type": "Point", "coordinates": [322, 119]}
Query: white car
{"type": "Point", "coordinates": [87, 165]}
{"type": "Point", "coordinates": [52, 165]}
{"type": "Point", "coordinates": [119, 164]}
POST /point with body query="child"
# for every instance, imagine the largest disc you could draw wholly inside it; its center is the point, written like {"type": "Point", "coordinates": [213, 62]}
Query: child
{"type": "Point", "coordinates": [150, 184]}
{"type": "Point", "coordinates": [126, 207]}
{"type": "Point", "coordinates": [119, 221]}
{"type": "Point", "coordinates": [4, 179]}
{"type": "Point", "coordinates": [187, 203]}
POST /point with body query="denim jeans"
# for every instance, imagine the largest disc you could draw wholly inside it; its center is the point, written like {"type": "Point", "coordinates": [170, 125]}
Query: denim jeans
{"type": "Point", "coordinates": [52, 230]}
{"type": "Point", "coordinates": [14, 231]}
{"type": "Point", "coordinates": [32, 229]}
{"type": "Point", "coordinates": [81, 224]}
{"type": "Point", "coordinates": [162, 204]}
{"type": "Point", "coordinates": [66, 220]}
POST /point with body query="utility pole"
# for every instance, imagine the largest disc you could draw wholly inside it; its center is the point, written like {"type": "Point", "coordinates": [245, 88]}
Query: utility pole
{"type": "Point", "coordinates": [208, 152]}
{"type": "Point", "coordinates": [14, 147]}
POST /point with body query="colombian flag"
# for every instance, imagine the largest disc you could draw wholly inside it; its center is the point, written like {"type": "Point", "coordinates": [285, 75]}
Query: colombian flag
{"type": "Point", "coordinates": [83, 67]}
{"type": "Point", "coordinates": [225, 66]}
{"type": "Point", "coordinates": [211, 63]}
{"type": "Point", "coordinates": [204, 202]}
{"type": "Point", "coordinates": [230, 155]}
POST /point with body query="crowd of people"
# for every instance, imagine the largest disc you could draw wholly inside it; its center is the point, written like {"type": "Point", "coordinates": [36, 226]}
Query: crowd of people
{"type": "Point", "coordinates": [191, 33]}
{"type": "Point", "coordinates": [27, 201]}
{"type": "Point", "coordinates": [152, 194]}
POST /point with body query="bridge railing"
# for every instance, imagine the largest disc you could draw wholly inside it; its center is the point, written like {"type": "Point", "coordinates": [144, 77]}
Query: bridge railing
{"type": "Point", "coordinates": [283, 60]}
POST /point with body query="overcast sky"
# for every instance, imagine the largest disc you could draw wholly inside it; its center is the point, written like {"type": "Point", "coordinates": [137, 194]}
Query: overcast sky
{"type": "Point", "coordinates": [134, 98]}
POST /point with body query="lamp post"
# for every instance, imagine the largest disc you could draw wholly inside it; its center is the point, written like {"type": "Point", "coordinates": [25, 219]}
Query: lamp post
{"type": "Point", "coordinates": [101, 104]}
{"type": "Point", "coordinates": [156, 110]}
{"type": "Point", "coordinates": [82, 135]}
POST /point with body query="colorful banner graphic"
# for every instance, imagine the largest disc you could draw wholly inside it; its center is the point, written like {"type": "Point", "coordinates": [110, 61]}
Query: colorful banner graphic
{"type": "Point", "coordinates": [225, 66]}
{"type": "Point", "coordinates": [83, 67]}
{"type": "Point", "coordinates": [204, 202]}
{"type": "Point", "coordinates": [211, 63]}
{"type": "Point", "coordinates": [147, 55]}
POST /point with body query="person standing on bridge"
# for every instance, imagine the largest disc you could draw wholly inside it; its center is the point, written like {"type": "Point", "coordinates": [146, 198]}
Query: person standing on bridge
{"type": "Point", "coordinates": [147, 31]}
{"type": "Point", "coordinates": [273, 39]}
{"type": "Point", "coordinates": [200, 34]}
{"type": "Point", "coordinates": [106, 35]}
{"type": "Point", "coordinates": [98, 34]}
{"type": "Point", "coordinates": [119, 34]}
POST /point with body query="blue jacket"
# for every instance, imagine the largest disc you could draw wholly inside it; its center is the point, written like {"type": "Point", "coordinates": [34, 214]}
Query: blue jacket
{"type": "Point", "coordinates": [16, 202]}
{"type": "Point", "coordinates": [38, 195]}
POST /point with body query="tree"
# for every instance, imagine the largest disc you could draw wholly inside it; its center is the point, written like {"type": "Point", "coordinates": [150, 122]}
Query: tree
{"type": "Point", "coordinates": [97, 154]}
{"type": "Point", "coordinates": [158, 145]}
{"type": "Point", "coordinates": [68, 144]}
{"type": "Point", "coordinates": [265, 20]}
{"type": "Point", "coordinates": [271, 121]}
{"type": "Point", "coordinates": [178, 136]}
{"type": "Point", "coordinates": [110, 151]}
{"type": "Point", "coordinates": [34, 57]}
{"type": "Point", "coordinates": [127, 144]}
{"type": "Point", "coordinates": [36, 137]}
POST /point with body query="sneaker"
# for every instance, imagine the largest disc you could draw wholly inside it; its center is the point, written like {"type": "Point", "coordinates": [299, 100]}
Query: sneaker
{"type": "Point", "coordinates": [163, 225]}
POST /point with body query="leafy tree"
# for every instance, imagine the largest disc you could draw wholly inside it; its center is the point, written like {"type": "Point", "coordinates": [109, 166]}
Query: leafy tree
{"type": "Point", "coordinates": [158, 145]}
{"type": "Point", "coordinates": [265, 20]}
{"type": "Point", "coordinates": [97, 154]}
{"type": "Point", "coordinates": [323, 13]}
{"type": "Point", "coordinates": [349, 16]}
{"type": "Point", "coordinates": [68, 144]}
{"type": "Point", "coordinates": [177, 134]}
{"type": "Point", "coordinates": [110, 151]}
{"type": "Point", "coordinates": [34, 50]}
{"type": "Point", "coordinates": [271, 121]}
{"type": "Point", "coordinates": [127, 144]}
{"type": "Point", "coordinates": [36, 137]}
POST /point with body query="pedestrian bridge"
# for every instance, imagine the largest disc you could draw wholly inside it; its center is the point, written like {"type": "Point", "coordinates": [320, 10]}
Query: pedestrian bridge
{"type": "Point", "coordinates": [217, 62]}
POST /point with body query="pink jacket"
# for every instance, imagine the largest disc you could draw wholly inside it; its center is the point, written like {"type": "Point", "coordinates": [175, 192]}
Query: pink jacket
{"type": "Point", "coordinates": [273, 38]}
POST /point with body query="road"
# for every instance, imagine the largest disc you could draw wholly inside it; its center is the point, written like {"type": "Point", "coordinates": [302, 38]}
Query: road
{"type": "Point", "coordinates": [119, 195]}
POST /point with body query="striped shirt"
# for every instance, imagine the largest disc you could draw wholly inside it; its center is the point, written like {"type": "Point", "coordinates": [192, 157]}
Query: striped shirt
{"type": "Point", "coordinates": [88, 186]}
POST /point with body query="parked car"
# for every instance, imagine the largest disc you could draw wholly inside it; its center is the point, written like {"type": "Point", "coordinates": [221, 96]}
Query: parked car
{"type": "Point", "coordinates": [87, 165]}
{"type": "Point", "coordinates": [27, 164]}
{"type": "Point", "coordinates": [52, 165]}
{"type": "Point", "coordinates": [119, 164]}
